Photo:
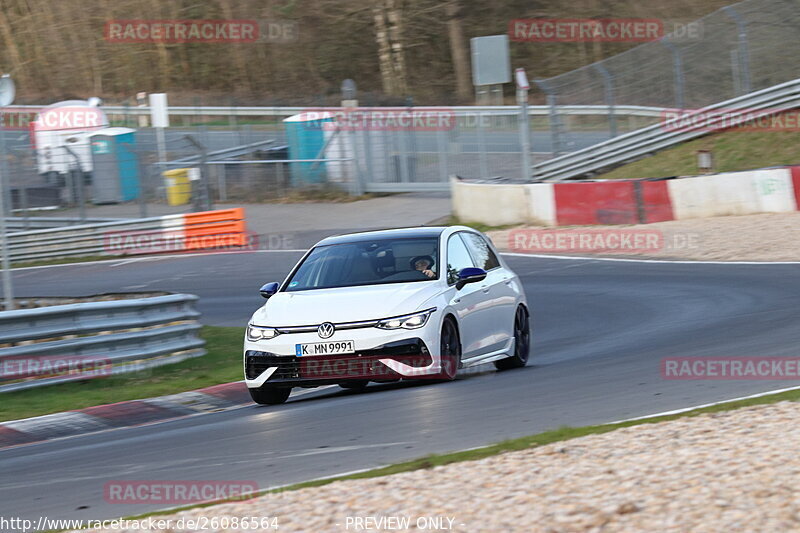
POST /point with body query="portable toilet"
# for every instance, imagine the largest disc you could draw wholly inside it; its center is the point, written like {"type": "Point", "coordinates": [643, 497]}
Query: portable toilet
{"type": "Point", "coordinates": [116, 166]}
{"type": "Point", "coordinates": [306, 135]}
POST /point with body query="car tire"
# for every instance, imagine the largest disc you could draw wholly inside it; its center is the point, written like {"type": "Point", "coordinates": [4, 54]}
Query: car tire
{"type": "Point", "coordinates": [270, 395]}
{"type": "Point", "coordinates": [356, 384]}
{"type": "Point", "coordinates": [522, 342]}
{"type": "Point", "coordinates": [449, 350]}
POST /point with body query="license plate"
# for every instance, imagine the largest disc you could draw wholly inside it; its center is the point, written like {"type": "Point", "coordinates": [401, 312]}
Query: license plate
{"type": "Point", "coordinates": [325, 348]}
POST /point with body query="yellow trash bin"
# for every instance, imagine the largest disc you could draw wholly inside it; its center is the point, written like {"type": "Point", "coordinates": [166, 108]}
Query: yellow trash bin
{"type": "Point", "coordinates": [179, 188]}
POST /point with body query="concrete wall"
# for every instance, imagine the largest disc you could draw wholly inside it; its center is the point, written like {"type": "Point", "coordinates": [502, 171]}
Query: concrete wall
{"type": "Point", "coordinates": [503, 204]}
{"type": "Point", "coordinates": [737, 193]}
{"type": "Point", "coordinates": [628, 201]}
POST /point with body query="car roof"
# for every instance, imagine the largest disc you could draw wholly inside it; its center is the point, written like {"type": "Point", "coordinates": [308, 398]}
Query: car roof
{"type": "Point", "coordinates": [407, 233]}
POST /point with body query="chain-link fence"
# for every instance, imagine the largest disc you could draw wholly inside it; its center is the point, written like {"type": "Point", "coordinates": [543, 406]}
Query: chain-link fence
{"type": "Point", "coordinates": [130, 173]}
{"type": "Point", "coordinates": [243, 157]}
{"type": "Point", "coordinates": [736, 50]}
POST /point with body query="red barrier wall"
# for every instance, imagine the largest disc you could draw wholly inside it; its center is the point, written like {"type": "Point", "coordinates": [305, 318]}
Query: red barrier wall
{"type": "Point", "coordinates": [657, 205]}
{"type": "Point", "coordinates": [610, 202]}
{"type": "Point", "coordinates": [796, 183]}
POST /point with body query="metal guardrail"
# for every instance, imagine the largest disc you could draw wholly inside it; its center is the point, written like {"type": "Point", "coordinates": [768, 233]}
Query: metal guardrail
{"type": "Point", "coordinates": [30, 223]}
{"type": "Point", "coordinates": [646, 141]}
{"type": "Point", "coordinates": [69, 241]}
{"type": "Point", "coordinates": [129, 335]}
{"type": "Point", "coordinates": [236, 151]}
{"type": "Point", "coordinates": [175, 233]}
{"type": "Point", "coordinates": [536, 110]}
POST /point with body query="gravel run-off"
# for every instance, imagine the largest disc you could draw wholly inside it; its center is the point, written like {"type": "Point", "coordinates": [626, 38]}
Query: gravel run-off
{"type": "Point", "coordinates": [733, 471]}
{"type": "Point", "coordinates": [767, 237]}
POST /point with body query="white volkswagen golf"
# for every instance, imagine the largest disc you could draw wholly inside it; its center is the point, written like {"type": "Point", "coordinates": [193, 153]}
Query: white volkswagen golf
{"type": "Point", "coordinates": [387, 305]}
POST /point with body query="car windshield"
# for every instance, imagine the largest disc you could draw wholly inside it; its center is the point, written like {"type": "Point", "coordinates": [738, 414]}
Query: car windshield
{"type": "Point", "coordinates": [371, 262]}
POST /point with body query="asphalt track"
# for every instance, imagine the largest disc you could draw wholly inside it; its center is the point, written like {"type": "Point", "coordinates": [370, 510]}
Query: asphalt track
{"type": "Point", "coordinates": [600, 331]}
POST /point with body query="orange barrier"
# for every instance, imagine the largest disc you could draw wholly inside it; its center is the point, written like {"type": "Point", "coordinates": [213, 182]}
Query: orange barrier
{"type": "Point", "coordinates": [224, 229]}
{"type": "Point", "coordinates": [215, 229]}
{"type": "Point", "coordinates": [220, 215]}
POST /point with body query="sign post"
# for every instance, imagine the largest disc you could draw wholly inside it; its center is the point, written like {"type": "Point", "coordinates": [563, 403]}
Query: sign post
{"type": "Point", "coordinates": [159, 118]}
{"type": "Point", "coordinates": [524, 121]}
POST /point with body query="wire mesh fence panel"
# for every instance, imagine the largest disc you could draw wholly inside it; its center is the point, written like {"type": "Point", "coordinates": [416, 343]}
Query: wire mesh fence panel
{"type": "Point", "coordinates": [739, 49]}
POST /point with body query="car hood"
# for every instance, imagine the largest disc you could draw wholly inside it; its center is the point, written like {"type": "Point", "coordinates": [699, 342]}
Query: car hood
{"type": "Point", "coordinates": [344, 304]}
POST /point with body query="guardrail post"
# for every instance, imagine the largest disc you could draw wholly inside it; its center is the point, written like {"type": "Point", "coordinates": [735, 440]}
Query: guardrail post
{"type": "Point", "coordinates": [608, 82]}
{"type": "Point", "coordinates": [222, 183]}
{"type": "Point", "coordinates": [484, 164]}
{"type": "Point", "coordinates": [202, 196]}
{"type": "Point", "coordinates": [743, 54]}
{"type": "Point", "coordinates": [554, 118]}
{"type": "Point", "coordinates": [367, 138]}
{"type": "Point", "coordinates": [441, 142]}
{"type": "Point", "coordinates": [143, 175]}
{"type": "Point", "coordinates": [8, 290]}
{"type": "Point", "coordinates": [524, 132]}
{"type": "Point", "coordinates": [358, 184]}
{"type": "Point", "coordinates": [677, 62]}
{"type": "Point", "coordinates": [78, 190]}
{"type": "Point", "coordinates": [232, 123]}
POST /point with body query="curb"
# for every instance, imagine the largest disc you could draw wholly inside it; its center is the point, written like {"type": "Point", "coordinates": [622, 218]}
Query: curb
{"type": "Point", "coordinates": [123, 414]}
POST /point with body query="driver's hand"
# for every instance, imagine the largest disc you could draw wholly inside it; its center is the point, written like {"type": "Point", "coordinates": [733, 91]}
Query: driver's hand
{"type": "Point", "coordinates": [429, 273]}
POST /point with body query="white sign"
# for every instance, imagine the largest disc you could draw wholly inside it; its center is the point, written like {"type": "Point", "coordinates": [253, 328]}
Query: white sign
{"type": "Point", "coordinates": [522, 79]}
{"type": "Point", "coordinates": [490, 60]}
{"type": "Point", "coordinates": [159, 113]}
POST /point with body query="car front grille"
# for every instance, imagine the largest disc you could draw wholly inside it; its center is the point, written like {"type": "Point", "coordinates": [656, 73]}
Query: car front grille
{"type": "Point", "coordinates": [257, 362]}
{"type": "Point", "coordinates": [364, 364]}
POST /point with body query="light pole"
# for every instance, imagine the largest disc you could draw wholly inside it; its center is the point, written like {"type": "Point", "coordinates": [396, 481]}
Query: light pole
{"type": "Point", "coordinates": [7, 92]}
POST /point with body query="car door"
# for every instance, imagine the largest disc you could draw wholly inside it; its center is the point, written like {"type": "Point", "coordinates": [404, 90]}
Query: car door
{"type": "Point", "coordinates": [500, 296]}
{"type": "Point", "coordinates": [469, 303]}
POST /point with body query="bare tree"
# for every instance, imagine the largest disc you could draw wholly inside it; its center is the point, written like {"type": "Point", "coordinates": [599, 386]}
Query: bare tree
{"type": "Point", "coordinates": [391, 54]}
{"type": "Point", "coordinates": [458, 49]}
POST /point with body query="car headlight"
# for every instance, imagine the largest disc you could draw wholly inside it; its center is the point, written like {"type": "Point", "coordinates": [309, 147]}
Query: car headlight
{"type": "Point", "coordinates": [412, 321]}
{"type": "Point", "coordinates": [257, 333]}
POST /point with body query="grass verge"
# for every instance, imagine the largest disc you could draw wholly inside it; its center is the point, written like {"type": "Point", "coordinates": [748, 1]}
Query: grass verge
{"type": "Point", "coordinates": [733, 151]}
{"type": "Point", "coordinates": [222, 364]}
{"type": "Point", "coordinates": [522, 443]}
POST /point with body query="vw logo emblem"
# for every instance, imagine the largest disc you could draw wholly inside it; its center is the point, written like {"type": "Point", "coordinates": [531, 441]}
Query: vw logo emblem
{"type": "Point", "coordinates": [325, 330]}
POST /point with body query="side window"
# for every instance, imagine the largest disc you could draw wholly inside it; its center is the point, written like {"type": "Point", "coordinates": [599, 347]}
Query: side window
{"type": "Point", "coordinates": [457, 257]}
{"type": "Point", "coordinates": [481, 251]}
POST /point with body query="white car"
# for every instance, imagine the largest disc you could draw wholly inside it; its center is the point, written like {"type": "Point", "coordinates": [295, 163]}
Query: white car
{"type": "Point", "coordinates": [387, 305]}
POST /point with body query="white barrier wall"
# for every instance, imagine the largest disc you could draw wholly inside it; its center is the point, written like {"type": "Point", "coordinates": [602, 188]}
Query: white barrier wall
{"type": "Point", "coordinates": [503, 204]}
{"type": "Point", "coordinates": [541, 204]}
{"type": "Point", "coordinates": [736, 193]}
{"type": "Point", "coordinates": [488, 203]}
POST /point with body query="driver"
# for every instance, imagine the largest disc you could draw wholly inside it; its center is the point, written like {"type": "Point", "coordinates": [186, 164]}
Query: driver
{"type": "Point", "coordinates": [423, 263]}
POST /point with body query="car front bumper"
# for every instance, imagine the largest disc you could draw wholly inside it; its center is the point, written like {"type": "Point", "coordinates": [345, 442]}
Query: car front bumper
{"type": "Point", "coordinates": [381, 355]}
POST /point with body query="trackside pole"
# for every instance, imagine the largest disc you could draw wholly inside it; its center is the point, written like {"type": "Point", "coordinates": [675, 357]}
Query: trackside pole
{"type": "Point", "coordinates": [524, 122]}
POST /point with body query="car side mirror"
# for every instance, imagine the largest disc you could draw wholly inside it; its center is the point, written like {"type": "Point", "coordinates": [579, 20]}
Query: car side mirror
{"type": "Point", "coordinates": [469, 275]}
{"type": "Point", "coordinates": [269, 289]}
